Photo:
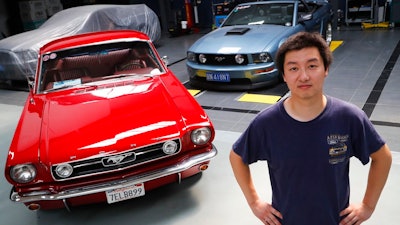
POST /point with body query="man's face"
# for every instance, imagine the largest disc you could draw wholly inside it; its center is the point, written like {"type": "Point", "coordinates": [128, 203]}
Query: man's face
{"type": "Point", "coordinates": [304, 72]}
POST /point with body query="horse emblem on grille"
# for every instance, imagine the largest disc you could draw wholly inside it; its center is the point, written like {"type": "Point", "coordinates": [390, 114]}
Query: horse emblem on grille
{"type": "Point", "coordinates": [219, 58]}
{"type": "Point", "coordinates": [119, 159]}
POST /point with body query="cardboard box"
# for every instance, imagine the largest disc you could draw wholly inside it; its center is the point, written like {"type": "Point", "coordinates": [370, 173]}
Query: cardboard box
{"type": "Point", "coordinates": [34, 15]}
{"type": "Point", "coordinates": [52, 2]}
{"type": "Point", "coordinates": [32, 11]}
{"type": "Point", "coordinates": [33, 5]}
{"type": "Point", "coordinates": [53, 9]}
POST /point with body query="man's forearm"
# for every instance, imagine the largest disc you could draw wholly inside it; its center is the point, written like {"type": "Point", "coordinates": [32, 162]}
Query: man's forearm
{"type": "Point", "coordinates": [378, 174]}
{"type": "Point", "coordinates": [243, 177]}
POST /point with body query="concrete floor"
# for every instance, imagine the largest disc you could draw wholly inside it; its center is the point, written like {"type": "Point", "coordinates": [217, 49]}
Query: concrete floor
{"type": "Point", "coordinates": [365, 68]}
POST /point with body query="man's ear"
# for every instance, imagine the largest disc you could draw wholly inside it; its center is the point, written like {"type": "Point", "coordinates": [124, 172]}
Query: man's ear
{"type": "Point", "coordinates": [326, 72]}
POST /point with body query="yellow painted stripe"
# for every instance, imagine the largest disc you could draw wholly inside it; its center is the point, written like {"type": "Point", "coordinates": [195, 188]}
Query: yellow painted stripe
{"type": "Point", "coordinates": [193, 92]}
{"type": "Point", "coordinates": [377, 25]}
{"type": "Point", "coordinates": [335, 44]}
{"type": "Point", "coordinates": [268, 99]}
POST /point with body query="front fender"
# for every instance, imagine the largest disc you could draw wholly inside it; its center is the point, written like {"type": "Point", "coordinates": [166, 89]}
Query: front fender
{"type": "Point", "coordinates": [25, 143]}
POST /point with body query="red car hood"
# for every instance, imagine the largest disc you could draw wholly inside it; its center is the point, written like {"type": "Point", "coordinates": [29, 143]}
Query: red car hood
{"type": "Point", "coordinates": [86, 124]}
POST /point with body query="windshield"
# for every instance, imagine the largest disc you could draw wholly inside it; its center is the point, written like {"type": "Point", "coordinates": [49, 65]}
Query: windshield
{"type": "Point", "coordinates": [273, 13]}
{"type": "Point", "coordinates": [98, 63]}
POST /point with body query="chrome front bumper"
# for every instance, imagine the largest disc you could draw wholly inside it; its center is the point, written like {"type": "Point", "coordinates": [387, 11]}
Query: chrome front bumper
{"type": "Point", "coordinates": [93, 189]}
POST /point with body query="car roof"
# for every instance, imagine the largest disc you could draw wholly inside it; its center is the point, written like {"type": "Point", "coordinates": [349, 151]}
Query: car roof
{"type": "Point", "coordinates": [90, 18]}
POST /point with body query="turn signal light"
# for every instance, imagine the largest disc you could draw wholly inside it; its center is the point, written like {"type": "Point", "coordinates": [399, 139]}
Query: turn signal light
{"type": "Point", "coordinates": [203, 167]}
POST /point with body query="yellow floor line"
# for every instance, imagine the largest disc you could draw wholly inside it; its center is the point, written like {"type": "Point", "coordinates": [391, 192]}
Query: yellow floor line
{"type": "Point", "coordinates": [268, 99]}
{"type": "Point", "coordinates": [335, 44]}
{"type": "Point", "coordinates": [193, 92]}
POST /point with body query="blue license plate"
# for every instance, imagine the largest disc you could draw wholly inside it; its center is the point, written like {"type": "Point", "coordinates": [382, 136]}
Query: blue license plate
{"type": "Point", "coordinates": [219, 77]}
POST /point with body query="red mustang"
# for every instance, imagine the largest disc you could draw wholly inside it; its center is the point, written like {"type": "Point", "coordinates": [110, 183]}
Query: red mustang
{"type": "Point", "coordinates": [105, 121]}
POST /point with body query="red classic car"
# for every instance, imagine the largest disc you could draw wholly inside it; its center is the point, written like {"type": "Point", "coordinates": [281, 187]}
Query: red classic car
{"type": "Point", "coordinates": [105, 121]}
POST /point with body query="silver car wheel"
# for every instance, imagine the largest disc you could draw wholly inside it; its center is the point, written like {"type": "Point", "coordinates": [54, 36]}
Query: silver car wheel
{"type": "Point", "coordinates": [328, 33]}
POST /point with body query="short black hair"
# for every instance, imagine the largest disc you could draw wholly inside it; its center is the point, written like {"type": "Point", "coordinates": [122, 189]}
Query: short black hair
{"type": "Point", "coordinates": [302, 40]}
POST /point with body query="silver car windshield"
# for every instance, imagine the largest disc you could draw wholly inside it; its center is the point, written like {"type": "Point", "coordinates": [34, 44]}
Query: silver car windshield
{"type": "Point", "coordinates": [253, 14]}
{"type": "Point", "coordinates": [85, 66]}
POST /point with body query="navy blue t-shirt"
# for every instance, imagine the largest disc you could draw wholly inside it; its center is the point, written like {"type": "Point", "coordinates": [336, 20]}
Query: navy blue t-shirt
{"type": "Point", "coordinates": [308, 162]}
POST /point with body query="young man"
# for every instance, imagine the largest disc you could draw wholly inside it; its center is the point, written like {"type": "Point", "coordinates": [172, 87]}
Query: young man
{"type": "Point", "coordinates": [307, 140]}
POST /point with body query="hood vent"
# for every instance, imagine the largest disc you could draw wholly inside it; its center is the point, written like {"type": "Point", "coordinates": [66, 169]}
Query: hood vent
{"type": "Point", "coordinates": [238, 31]}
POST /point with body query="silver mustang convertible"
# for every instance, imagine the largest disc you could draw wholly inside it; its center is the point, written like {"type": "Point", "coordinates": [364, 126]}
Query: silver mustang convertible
{"type": "Point", "coordinates": [239, 55]}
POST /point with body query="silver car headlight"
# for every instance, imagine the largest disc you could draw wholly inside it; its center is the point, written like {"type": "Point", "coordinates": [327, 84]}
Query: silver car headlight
{"type": "Point", "coordinates": [23, 173]}
{"type": "Point", "coordinates": [64, 170]}
{"type": "Point", "coordinates": [201, 136]}
{"type": "Point", "coordinates": [263, 57]}
{"type": "Point", "coordinates": [239, 58]}
{"type": "Point", "coordinates": [191, 56]}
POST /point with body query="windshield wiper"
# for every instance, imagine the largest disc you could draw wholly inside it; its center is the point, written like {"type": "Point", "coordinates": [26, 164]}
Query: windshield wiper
{"type": "Point", "coordinates": [86, 85]}
{"type": "Point", "coordinates": [59, 88]}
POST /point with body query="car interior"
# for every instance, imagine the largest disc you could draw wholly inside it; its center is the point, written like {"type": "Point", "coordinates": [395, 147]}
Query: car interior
{"type": "Point", "coordinates": [83, 68]}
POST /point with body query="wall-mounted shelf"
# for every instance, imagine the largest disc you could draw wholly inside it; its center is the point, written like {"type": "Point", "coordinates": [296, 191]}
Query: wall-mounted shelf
{"type": "Point", "coordinates": [359, 11]}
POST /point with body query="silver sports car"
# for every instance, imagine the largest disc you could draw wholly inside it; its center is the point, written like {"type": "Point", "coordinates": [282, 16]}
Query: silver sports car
{"type": "Point", "coordinates": [18, 53]}
{"type": "Point", "coordinates": [239, 55]}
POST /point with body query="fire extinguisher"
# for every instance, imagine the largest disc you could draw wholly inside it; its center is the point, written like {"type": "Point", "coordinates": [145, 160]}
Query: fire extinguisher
{"type": "Point", "coordinates": [189, 16]}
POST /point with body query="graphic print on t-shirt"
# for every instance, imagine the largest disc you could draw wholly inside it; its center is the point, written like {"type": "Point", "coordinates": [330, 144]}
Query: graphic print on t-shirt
{"type": "Point", "coordinates": [337, 148]}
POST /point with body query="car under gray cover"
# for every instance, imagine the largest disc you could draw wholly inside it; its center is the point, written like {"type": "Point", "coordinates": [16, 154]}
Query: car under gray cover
{"type": "Point", "coordinates": [18, 53]}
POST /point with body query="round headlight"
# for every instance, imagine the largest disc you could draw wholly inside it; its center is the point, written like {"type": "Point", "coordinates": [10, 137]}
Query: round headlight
{"type": "Point", "coordinates": [191, 56]}
{"type": "Point", "coordinates": [170, 147]}
{"type": "Point", "coordinates": [24, 173]}
{"type": "Point", "coordinates": [64, 170]}
{"type": "Point", "coordinates": [202, 58]}
{"type": "Point", "coordinates": [201, 136]}
{"type": "Point", "coordinates": [264, 57]}
{"type": "Point", "coordinates": [239, 59]}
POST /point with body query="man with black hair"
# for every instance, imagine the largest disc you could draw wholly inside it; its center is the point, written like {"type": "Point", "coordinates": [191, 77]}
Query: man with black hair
{"type": "Point", "coordinates": [307, 140]}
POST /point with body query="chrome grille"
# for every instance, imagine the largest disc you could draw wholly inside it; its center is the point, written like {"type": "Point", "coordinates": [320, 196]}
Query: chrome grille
{"type": "Point", "coordinates": [218, 59]}
{"type": "Point", "coordinates": [109, 163]}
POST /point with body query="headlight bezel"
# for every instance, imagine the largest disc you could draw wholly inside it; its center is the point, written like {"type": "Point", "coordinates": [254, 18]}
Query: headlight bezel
{"type": "Point", "coordinates": [64, 170]}
{"type": "Point", "coordinates": [201, 136]}
{"type": "Point", "coordinates": [191, 56]}
{"type": "Point", "coordinates": [263, 57]}
{"type": "Point", "coordinates": [23, 173]}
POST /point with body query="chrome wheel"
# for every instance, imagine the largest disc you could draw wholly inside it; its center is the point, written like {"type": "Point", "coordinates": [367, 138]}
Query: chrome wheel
{"type": "Point", "coordinates": [328, 33]}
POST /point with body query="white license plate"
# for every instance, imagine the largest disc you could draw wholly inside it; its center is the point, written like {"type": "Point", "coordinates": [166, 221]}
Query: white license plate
{"type": "Point", "coordinates": [125, 193]}
{"type": "Point", "coordinates": [220, 77]}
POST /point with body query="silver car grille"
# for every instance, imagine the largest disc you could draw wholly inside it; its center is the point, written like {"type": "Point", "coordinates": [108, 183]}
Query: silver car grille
{"type": "Point", "coordinates": [116, 162]}
{"type": "Point", "coordinates": [219, 59]}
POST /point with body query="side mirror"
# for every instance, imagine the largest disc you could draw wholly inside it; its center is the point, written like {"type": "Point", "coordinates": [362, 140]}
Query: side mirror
{"type": "Point", "coordinates": [165, 60]}
{"type": "Point", "coordinates": [305, 17]}
{"type": "Point", "coordinates": [31, 82]}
